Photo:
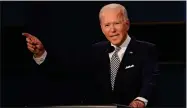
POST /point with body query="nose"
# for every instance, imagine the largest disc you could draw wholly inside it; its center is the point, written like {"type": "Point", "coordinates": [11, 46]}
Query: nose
{"type": "Point", "coordinates": [112, 28]}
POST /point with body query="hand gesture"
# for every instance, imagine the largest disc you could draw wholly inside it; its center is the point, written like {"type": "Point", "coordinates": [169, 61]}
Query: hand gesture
{"type": "Point", "coordinates": [34, 45]}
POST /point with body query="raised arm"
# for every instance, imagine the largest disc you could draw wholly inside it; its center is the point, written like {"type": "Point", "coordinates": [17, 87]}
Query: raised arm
{"type": "Point", "coordinates": [35, 46]}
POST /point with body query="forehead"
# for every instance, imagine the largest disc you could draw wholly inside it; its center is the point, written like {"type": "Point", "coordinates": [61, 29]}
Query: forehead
{"type": "Point", "coordinates": [111, 14]}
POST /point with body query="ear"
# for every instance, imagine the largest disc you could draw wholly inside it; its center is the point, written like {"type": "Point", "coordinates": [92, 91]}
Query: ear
{"type": "Point", "coordinates": [127, 23]}
{"type": "Point", "coordinates": [101, 28]}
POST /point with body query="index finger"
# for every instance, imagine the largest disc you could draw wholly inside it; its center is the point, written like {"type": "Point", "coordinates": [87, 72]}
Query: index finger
{"type": "Point", "coordinates": [27, 35]}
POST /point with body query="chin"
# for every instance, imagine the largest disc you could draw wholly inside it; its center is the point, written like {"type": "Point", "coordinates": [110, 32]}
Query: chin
{"type": "Point", "coordinates": [116, 43]}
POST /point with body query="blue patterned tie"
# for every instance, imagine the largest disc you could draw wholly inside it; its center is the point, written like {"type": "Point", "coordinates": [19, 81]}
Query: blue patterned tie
{"type": "Point", "coordinates": [114, 65]}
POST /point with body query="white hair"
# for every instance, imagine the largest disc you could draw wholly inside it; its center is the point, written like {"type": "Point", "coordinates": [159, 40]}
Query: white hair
{"type": "Point", "coordinates": [114, 6]}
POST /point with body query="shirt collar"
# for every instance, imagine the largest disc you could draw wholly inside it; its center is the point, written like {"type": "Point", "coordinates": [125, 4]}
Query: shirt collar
{"type": "Point", "coordinates": [125, 43]}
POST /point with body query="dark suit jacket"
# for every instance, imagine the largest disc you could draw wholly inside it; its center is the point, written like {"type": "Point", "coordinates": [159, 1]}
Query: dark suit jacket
{"type": "Point", "coordinates": [130, 82]}
{"type": "Point", "coordinates": [84, 78]}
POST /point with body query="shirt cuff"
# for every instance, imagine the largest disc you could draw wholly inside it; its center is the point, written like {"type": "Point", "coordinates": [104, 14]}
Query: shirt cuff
{"type": "Point", "coordinates": [41, 59]}
{"type": "Point", "coordinates": [143, 100]}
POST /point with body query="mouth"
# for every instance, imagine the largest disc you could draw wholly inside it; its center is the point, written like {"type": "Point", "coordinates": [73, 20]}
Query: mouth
{"type": "Point", "coordinates": [114, 36]}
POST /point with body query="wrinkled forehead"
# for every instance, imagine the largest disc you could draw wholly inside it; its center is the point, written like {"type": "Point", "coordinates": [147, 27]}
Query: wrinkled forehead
{"type": "Point", "coordinates": [111, 13]}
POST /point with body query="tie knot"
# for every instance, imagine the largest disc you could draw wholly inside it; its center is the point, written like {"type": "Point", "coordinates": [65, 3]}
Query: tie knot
{"type": "Point", "coordinates": [117, 49]}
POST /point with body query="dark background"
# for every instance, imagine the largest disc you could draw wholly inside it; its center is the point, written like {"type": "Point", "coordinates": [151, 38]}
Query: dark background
{"type": "Point", "coordinates": [74, 24]}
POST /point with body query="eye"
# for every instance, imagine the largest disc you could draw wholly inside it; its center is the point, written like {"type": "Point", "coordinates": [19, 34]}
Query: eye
{"type": "Point", "coordinates": [106, 25]}
{"type": "Point", "coordinates": [117, 23]}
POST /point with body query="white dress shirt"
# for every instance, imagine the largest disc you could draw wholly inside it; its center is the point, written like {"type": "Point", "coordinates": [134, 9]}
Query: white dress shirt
{"type": "Point", "coordinates": [121, 52]}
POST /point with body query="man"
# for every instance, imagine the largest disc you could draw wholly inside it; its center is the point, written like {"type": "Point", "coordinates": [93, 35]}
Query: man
{"type": "Point", "coordinates": [124, 69]}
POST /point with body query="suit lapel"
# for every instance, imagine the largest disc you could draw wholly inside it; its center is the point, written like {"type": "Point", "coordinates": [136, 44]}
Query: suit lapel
{"type": "Point", "coordinates": [104, 73]}
{"type": "Point", "coordinates": [130, 51]}
{"type": "Point", "coordinates": [108, 72]}
{"type": "Point", "coordinates": [107, 65]}
{"type": "Point", "coordinates": [127, 58]}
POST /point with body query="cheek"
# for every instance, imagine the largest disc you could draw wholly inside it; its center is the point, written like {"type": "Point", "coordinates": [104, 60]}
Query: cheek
{"type": "Point", "coordinates": [105, 31]}
{"type": "Point", "coordinates": [120, 29]}
{"type": "Point", "coordinates": [124, 29]}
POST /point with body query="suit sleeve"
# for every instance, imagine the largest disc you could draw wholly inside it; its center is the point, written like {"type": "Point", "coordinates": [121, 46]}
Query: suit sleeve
{"type": "Point", "coordinates": [150, 72]}
{"type": "Point", "coordinates": [61, 76]}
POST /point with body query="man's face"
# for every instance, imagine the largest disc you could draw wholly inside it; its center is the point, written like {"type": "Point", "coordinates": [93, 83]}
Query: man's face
{"type": "Point", "coordinates": [114, 26]}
